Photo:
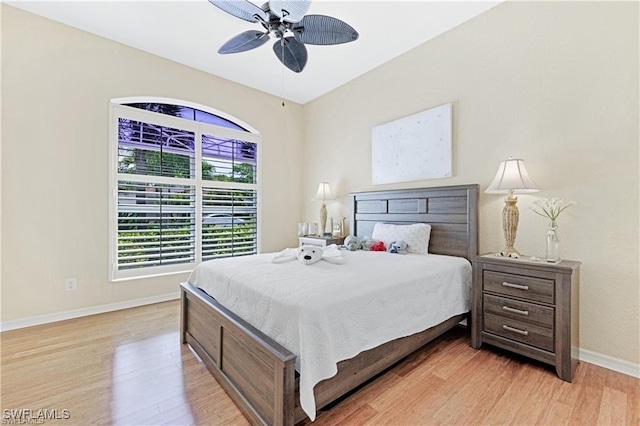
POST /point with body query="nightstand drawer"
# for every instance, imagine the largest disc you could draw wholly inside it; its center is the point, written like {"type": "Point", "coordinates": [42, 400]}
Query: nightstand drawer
{"type": "Point", "coordinates": [521, 311]}
{"type": "Point", "coordinates": [522, 286]}
{"type": "Point", "coordinates": [540, 337]}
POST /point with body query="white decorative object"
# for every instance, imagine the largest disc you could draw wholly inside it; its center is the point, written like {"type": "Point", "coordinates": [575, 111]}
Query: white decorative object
{"type": "Point", "coordinates": [337, 226]}
{"type": "Point", "coordinates": [413, 148]}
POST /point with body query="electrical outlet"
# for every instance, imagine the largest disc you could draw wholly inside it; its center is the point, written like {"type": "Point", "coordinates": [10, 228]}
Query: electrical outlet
{"type": "Point", "coordinates": [70, 284]}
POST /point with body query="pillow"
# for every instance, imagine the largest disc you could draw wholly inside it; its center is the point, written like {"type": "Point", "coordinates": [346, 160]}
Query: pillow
{"type": "Point", "coordinates": [415, 235]}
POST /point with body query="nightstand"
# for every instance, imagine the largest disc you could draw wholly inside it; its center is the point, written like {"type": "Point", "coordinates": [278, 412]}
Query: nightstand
{"type": "Point", "coordinates": [527, 307]}
{"type": "Point", "coordinates": [320, 241]}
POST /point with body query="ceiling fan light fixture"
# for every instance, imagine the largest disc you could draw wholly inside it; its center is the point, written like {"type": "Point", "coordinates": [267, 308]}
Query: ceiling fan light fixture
{"type": "Point", "coordinates": [280, 18]}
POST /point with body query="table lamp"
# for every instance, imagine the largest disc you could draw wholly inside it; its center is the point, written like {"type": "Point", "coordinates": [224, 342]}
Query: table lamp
{"type": "Point", "coordinates": [324, 194]}
{"type": "Point", "coordinates": [512, 178]}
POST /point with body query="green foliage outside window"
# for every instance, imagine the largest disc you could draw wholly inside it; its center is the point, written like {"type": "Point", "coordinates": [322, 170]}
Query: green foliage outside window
{"type": "Point", "coordinates": [154, 163]}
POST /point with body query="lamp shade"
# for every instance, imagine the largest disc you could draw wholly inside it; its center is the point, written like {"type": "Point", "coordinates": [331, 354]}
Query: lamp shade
{"type": "Point", "coordinates": [324, 192]}
{"type": "Point", "coordinates": [512, 176]}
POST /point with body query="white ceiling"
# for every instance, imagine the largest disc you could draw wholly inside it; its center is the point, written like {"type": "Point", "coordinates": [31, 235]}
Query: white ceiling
{"type": "Point", "coordinates": [191, 31]}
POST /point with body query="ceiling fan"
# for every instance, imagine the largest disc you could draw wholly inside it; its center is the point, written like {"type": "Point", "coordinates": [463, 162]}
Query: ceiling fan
{"type": "Point", "coordinates": [284, 20]}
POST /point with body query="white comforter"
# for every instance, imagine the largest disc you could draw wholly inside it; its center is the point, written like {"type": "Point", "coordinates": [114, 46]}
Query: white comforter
{"type": "Point", "coordinates": [325, 313]}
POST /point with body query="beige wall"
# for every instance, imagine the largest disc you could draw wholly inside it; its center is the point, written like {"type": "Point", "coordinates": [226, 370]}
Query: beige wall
{"type": "Point", "coordinates": [553, 83]}
{"type": "Point", "coordinates": [57, 83]}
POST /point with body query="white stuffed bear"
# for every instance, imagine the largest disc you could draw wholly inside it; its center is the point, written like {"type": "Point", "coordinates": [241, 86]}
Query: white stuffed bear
{"type": "Point", "coordinates": [309, 254]}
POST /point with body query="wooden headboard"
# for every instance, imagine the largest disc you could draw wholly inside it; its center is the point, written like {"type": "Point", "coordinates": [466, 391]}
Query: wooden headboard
{"type": "Point", "coordinates": [452, 212]}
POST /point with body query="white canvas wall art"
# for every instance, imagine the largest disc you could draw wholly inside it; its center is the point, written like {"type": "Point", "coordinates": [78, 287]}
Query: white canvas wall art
{"type": "Point", "coordinates": [412, 148]}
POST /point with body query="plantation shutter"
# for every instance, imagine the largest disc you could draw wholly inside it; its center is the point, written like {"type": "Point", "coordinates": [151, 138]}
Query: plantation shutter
{"type": "Point", "coordinates": [184, 191]}
{"type": "Point", "coordinates": [228, 223]}
{"type": "Point", "coordinates": [156, 224]}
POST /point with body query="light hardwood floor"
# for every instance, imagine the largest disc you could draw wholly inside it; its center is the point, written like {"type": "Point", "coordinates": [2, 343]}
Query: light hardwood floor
{"type": "Point", "coordinates": [128, 367]}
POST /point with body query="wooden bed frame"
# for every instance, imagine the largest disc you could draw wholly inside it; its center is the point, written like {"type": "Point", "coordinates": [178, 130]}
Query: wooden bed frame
{"type": "Point", "coordinates": [259, 374]}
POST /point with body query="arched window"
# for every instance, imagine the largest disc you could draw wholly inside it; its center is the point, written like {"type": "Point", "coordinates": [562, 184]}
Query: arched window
{"type": "Point", "coordinates": [184, 187]}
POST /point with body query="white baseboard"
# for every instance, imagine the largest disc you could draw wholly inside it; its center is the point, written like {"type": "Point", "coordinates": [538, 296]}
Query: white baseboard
{"type": "Point", "coordinates": [610, 363]}
{"type": "Point", "coordinates": [83, 312]}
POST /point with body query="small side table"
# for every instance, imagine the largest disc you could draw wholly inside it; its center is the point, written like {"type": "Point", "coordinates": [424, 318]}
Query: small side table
{"type": "Point", "coordinates": [320, 241]}
{"type": "Point", "coordinates": [530, 308]}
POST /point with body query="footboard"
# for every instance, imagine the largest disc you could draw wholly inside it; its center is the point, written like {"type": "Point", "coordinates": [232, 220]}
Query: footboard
{"type": "Point", "coordinates": [257, 372]}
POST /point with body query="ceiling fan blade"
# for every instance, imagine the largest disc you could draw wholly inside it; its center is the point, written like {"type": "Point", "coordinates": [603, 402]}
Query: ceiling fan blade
{"type": "Point", "coordinates": [244, 41]}
{"type": "Point", "coordinates": [242, 9]}
{"type": "Point", "coordinates": [323, 30]}
{"type": "Point", "coordinates": [289, 10]}
{"type": "Point", "coordinates": [291, 53]}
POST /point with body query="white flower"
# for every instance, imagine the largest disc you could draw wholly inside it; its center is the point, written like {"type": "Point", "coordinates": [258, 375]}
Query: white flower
{"type": "Point", "coordinates": [550, 208]}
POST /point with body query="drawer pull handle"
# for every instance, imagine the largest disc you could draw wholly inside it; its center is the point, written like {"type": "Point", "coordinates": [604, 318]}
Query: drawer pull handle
{"type": "Point", "coordinates": [515, 311]}
{"type": "Point", "coordinates": [515, 330]}
{"type": "Point", "coordinates": [518, 286]}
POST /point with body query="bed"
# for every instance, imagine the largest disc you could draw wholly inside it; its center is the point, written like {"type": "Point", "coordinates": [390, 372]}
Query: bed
{"type": "Point", "coordinates": [260, 374]}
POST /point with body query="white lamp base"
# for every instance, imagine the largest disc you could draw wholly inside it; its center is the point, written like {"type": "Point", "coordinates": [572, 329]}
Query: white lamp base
{"type": "Point", "coordinates": [323, 219]}
{"type": "Point", "coordinates": [510, 216]}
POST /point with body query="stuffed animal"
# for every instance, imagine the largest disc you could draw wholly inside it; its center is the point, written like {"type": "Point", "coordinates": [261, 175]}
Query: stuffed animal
{"type": "Point", "coordinates": [352, 243]}
{"type": "Point", "coordinates": [366, 243]}
{"type": "Point", "coordinates": [309, 254]}
{"type": "Point", "coordinates": [378, 246]}
{"type": "Point", "coordinates": [398, 247]}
